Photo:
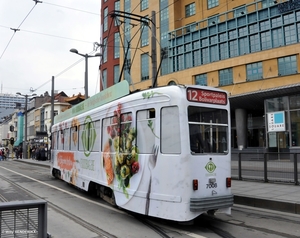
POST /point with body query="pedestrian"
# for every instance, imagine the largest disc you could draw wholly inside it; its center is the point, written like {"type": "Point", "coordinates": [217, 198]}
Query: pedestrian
{"type": "Point", "coordinates": [43, 153]}
{"type": "Point", "coordinates": [3, 154]}
{"type": "Point", "coordinates": [37, 153]}
{"type": "Point", "coordinates": [7, 152]}
{"type": "Point", "coordinates": [20, 151]}
{"type": "Point", "coordinates": [33, 152]}
{"type": "Point", "coordinates": [16, 150]}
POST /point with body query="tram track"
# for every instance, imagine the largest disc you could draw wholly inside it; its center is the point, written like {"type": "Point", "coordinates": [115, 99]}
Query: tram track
{"type": "Point", "coordinates": [100, 232]}
{"type": "Point", "coordinates": [62, 211]}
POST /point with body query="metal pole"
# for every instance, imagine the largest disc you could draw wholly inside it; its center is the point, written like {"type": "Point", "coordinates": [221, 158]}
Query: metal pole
{"type": "Point", "coordinates": [153, 49]}
{"type": "Point", "coordinates": [86, 76]}
{"type": "Point", "coordinates": [52, 103]}
{"type": "Point", "coordinates": [25, 139]}
{"type": "Point", "coordinates": [52, 118]}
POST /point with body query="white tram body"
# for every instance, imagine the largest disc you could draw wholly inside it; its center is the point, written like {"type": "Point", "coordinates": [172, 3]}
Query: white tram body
{"type": "Point", "coordinates": [162, 152]}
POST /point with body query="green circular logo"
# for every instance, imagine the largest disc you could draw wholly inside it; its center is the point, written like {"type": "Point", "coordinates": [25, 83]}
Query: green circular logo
{"type": "Point", "coordinates": [88, 136]}
{"type": "Point", "coordinates": [210, 167]}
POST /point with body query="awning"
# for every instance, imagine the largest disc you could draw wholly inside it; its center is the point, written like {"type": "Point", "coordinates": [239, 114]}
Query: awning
{"type": "Point", "coordinates": [17, 142]}
{"type": "Point", "coordinates": [255, 100]}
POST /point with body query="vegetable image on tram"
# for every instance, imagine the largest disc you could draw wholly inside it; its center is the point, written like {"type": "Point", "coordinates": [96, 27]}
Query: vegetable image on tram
{"type": "Point", "coordinates": [162, 152]}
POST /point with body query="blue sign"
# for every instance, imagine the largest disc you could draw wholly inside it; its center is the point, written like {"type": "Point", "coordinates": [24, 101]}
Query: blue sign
{"type": "Point", "coordinates": [276, 121]}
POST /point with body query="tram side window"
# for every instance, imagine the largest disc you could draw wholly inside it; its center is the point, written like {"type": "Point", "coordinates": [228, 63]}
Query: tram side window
{"type": "Point", "coordinates": [95, 136]}
{"type": "Point", "coordinates": [170, 131]}
{"type": "Point", "coordinates": [66, 139]}
{"type": "Point", "coordinates": [127, 133]}
{"type": "Point", "coordinates": [208, 128]}
{"type": "Point", "coordinates": [88, 136]}
{"type": "Point", "coordinates": [60, 140]}
{"type": "Point", "coordinates": [54, 140]}
{"type": "Point", "coordinates": [145, 130]}
{"type": "Point", "coordinates": [108, 131]}
{"type": "Point", "coordinates": [81, 131]}
{"type": "Point", "coordinates": [74, 138]}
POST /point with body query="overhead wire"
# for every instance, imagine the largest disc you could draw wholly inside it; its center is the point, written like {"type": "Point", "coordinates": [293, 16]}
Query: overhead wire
{"type": "Point", "coordinates": [107, 45]}
{"type": "Point", "coordinates": [63, 71]}
{"type": "Point", "coordinates": [17, 29]}
{"type": "Point", "coordinates": [74, 9]}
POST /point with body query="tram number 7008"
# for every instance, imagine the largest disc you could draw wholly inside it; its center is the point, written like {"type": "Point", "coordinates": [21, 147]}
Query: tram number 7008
{"type": "Point", "coordinates": [211, 185]}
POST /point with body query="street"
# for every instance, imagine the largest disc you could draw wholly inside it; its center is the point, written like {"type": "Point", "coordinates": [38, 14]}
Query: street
{"type": "Point", "coordinates": [73, 213]}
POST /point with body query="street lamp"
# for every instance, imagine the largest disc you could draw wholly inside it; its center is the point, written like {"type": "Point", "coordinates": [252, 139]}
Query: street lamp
{"type": "Point", "coordinates": [86, 56]}
{"type": "Point", "coordinates": [25, 137]}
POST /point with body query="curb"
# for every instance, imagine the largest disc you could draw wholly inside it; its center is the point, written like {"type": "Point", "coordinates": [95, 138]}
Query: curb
{"type": "Point", "coordinates": [281, 206]}
{"type": "Point", "coordinates": [33, 162]}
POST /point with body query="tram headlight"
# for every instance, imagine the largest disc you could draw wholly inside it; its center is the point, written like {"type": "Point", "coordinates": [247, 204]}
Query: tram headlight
{"type": "Point", "coordinates": [195, 184]}
{"type": "Point", "coordinates": [228, 182]}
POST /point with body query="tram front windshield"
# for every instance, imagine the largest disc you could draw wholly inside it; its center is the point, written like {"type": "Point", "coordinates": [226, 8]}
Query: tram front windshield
{"type": "Point", "coordinates": [208, 128]}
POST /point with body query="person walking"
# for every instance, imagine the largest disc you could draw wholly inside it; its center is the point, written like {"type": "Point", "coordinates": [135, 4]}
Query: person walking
{"type": "Point", "coordinates": [20, 152]}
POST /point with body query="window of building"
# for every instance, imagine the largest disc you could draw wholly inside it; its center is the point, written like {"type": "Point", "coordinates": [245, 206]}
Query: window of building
{"type": "Point", "coordinates": [295, 119]}
{"type": "Point", "coordinates": [196, 58]}
{"type": "Point", "coordinates": [233, 48]}
{"type": "Point", "coordinates": [213, 21]}
{"type": "Point", "coordinates": [243, 45]}
{"type": "Point", "coordinates": [277, 37]}
{"type": "Point", "coordinates": [104, 78]}
{"type": "Point", "coordinates": [117, 45]}
{"type": "Point", "coordinates": [190, 10]}
{"type": "Point", "coordinates": [265, 39]}
{"type": "Point", "coordinates": [254, 71]}
{"type": "Point", "coordinates": [254, 43]}
{"type": "Point", "coordinates": [290, 34]}
{"type": "Point", "coordinates": [276, 104]}
{"type": "Point", "coordinates": [117, 8]}
{"type": "Point", "coordinates": [295, 127]}
{"type": "Point", "coordinates": [144, 67]}
{"type": "Point", "coordinates": [144, 4]}
{"type": "Point", "coordinates": [267, 3]}
{"type": "Point", "coordinates": [225, 77]}
{"type": "Point", "coordinates": [105, 19]}
{"type": "Point", "coordinates": [240, 11]}
{"type": "Point", "coordinates": [287, 65]}
{"type": "Point", "coordinates": [212, 3]}
{"type": "Point", "coordinates": [144, 35]}
{"type": "Point", "coordinates": [201, 79]}
{"type": "Point", "coordinates": [104, 50]}
{"type": "Point", "coordinates": [223, 50]}
{"type": "Point", "coordinates": [116, 73]}
{"type": "Point", "coordinates": [214, 55]}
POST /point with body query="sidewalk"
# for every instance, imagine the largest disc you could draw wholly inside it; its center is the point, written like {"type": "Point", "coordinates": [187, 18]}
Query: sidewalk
{"type": "Point", "coordinates": [273, 196]}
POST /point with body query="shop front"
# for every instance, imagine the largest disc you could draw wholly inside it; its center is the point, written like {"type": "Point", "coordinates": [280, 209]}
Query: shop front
{"type": "Point", "coordinates": [268, 120]}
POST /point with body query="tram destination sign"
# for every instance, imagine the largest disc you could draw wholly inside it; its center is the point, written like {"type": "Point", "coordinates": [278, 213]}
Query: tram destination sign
{"type": "Point", "coordinates": [206, 96]}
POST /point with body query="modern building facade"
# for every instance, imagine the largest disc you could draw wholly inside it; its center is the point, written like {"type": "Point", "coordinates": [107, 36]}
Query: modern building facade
{"type": "Point", "coordinates": [11, 101]}
{"type": "Point", "coordinates": [248, 48]}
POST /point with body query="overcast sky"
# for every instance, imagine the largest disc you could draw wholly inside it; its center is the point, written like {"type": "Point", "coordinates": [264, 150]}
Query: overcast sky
{"type": "Point", "coordinates": [39, 47]}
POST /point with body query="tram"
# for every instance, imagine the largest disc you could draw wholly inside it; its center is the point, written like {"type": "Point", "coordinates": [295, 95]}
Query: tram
{"type": "Point", "coordinates": [162, 152]}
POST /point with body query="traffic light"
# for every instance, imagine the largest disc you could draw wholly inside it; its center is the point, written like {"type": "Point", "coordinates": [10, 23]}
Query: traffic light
{"type": "Point", "coordinates": [12, 140]}
{"type": "Point", "coordinates": [11, 128]}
